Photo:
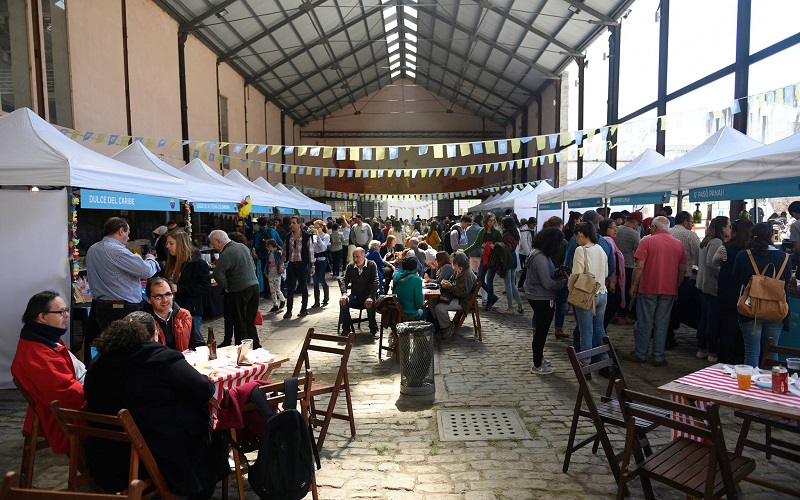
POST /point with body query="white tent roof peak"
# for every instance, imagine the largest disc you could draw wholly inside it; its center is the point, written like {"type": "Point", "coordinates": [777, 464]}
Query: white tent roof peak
{"type": "Point", "coordinates": [35, 153]}
{"type": "Point", "coordinates": [257, 195]}
{"type": "Point", "coordinates": [724, 143]}
{"type": "Point", "coordinates": [564, 193]}
{"type": "Point", "coordinates": [139, 156]}
{"type": "Point", "coordinates": [198, 169]}
{"type": "Point", "coordinates": [321, 206]}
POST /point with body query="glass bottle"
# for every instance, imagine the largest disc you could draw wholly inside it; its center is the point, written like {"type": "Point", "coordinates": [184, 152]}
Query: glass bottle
{"type": "Point", "coordinates": [212, 344]}
{"type": "Point", "coordinates": [698, 215]}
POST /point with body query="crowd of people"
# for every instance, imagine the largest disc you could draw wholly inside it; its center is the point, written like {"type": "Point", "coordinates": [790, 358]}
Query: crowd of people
{"type": "Point", "coordinates": [650, 273]}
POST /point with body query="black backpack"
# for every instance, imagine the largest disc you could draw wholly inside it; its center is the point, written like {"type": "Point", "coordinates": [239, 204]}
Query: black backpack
{"type": "Point", "coordinates": [448, 245]}
{"type": "Point", "coordinates": [284, 469]}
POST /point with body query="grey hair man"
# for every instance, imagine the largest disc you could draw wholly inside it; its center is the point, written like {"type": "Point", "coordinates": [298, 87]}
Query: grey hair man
{"type": "Point", "coordinates": [235, 272]}
{"type": "Point", "coordinates": [660, 269]}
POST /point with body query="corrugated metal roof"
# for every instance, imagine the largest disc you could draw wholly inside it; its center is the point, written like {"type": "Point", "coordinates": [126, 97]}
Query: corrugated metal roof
{"type": "Point", "coordinates": [314, 57]}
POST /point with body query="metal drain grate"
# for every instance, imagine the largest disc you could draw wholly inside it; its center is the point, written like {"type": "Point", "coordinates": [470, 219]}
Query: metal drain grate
{"type": "Point", "coordinates": [475, 425]}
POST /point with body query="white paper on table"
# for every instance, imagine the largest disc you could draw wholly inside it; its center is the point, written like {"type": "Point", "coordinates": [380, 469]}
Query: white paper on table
{"type": "Point", "coordinates": [260, 355]}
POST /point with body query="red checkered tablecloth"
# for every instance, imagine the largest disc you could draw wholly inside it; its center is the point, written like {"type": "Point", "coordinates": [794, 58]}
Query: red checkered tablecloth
{"type": "Point", "coordinates": [227, 377]}
{"type": "Point", "coordinates": [719, 380]}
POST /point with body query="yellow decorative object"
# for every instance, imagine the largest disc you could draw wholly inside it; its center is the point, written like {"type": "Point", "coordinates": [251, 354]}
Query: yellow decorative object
{"type": "Point", "coordinates": [245, 206]}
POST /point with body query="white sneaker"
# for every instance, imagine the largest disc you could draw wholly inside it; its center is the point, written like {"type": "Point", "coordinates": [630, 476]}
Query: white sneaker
{"type": "Point", "coordinates": [543, 369]}
{"type": "Point", "coordinates": [507, 311]}
{"type": "Point", "coordinates": [702, 353]}
{"type": "Point", "coordinates": [546, 361]}
{"type": "Point", "coordinates": [712, 358]}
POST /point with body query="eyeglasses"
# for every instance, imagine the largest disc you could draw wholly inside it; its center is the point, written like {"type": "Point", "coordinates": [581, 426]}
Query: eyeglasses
{"type": "Point", "coordinates": [60, 312]}
{"type": "Point", "coordinates": [162, 296]}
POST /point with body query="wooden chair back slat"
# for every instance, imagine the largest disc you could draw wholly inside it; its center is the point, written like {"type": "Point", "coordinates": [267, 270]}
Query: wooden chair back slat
{"type": "Point", "coordinates": [390, 319]}
{"type": "Point", "coordinates": [72, 421]}
{"type": "Point", "coordinates": [31, 443]}
{"type": "Point", "coordinates": [11, 491]}
{"type": "Point", "coordinates": [695, 468]}
{"type": "Point", "coordinates": [472, 309]}
{"type": "Point", "coordinates": [341, 383]}
{"type": "Point", "coordinates": [768, 362]}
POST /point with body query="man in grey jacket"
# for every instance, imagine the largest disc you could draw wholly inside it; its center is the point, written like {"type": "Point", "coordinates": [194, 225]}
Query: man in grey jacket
{"type": "Point", "coordinates": [236, 274]}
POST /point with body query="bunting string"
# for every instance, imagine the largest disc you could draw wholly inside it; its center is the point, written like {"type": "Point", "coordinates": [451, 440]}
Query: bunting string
{"type": "Point", "coordinates": [786, 96]}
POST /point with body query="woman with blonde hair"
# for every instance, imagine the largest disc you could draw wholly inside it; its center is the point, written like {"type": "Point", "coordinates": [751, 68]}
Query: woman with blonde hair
{"type": "Point", "coordinates": [189, 274]}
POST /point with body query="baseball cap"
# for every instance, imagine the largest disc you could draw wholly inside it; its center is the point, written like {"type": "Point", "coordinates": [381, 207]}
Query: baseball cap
{"type": "Point", "coordinates": [637, 216]}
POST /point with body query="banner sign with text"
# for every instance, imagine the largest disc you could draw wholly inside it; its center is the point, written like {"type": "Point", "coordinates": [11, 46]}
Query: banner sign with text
{"type": "Point", "coordinates": [586, 203]}
{"type": "Point", "coordinates": [642, 199]}
{"type": "Point", "coordinates": [260, 209]}
{"type": "Point", "coordinates": [550, 206]}
{"type": "Point", "coordinates": [91, 198]}
{"type": "Point", "coordinates": [206, 207]}
{"type": "Point", "coordinates": [773, 188]}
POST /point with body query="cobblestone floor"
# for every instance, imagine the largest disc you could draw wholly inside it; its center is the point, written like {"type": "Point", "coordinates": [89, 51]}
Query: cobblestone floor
{"type": "Point", "coordinates": [397, 453]}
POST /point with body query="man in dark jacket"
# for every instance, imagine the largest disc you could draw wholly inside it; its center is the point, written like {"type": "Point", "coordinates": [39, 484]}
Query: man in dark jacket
{"type": "Point", "coordinates": [362, 277]}
{"type": "Point", "coordinates": [298, 253]}
{"type": "Point", "coordinates": [168, 400]}
{"type": "Point", "coordinates": [236, 274]}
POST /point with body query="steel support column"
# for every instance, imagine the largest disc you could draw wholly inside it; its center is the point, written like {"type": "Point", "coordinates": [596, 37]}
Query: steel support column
{"type": "Point", "coordinates": [539, 132]}
{"type": "Point", "coordinates": [183, 97]}
{"type": "Point", "coordinates": [661, 99]}
{"type": "Point", "coordinates": [283, 141]}
{"type": "Point", "coordinates": [741, 80]}
{"type": "Point", "coordinates": [612, 116]}
{"type": "Point", "coordinates": [525, 133]}
{"type": "Point", "coordinates": [581, 62]}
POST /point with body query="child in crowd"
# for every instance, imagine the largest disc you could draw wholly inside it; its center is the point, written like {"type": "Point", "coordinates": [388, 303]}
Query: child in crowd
{"type": "Point", "coordinates": [274, 273]}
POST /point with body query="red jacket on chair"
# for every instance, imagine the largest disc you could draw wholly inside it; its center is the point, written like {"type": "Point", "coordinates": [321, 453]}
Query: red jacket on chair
{"type": "Point", "coordinates": [48, 375]}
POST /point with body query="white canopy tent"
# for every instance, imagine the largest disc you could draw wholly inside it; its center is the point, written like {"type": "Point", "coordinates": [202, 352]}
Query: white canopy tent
{"type": "Point", "coordinates": [323, 207]}
{"type": "Point", "coordinates": [258, 197]}
{"type": "Point", "coordinates": [596, 186]}
{"type": "Point", "coordinates": [563, 194]}
{"type": "Point", "coordinates": [282, 199]}
{"type": "Point", "coordinates": [298, 203]}
{"type": "Point", "coordinates": [139, 156]}
{"type": "Point", "coordinates": [682, 173]}
{"type": "Point", "coordinates": [480, 206]}
{"type": "Point", "coordinates": [526, 205]}
{"type": "Point", "coordinates": [36, 154]}
{"type": "Point", "coordinates": [199, 170]}
{"type": "Point", "coordinates": [502, 200]}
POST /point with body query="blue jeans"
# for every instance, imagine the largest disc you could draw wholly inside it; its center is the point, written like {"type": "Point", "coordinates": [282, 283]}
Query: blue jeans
{"type": "Point", "coordinates": [320, 268]}
{"type": "Point", "coordinates": [756, 338]}
{"type": "Point", "coordinates": [591, 325]}
{"type": "Point", "coordinates": [198, 320]}
{"type": "Point", "coordinates": [708, 329]}
{"type": "Point", "coordinates": [652, 316]}
{"type": "Point", "coordinates": [512, 293]}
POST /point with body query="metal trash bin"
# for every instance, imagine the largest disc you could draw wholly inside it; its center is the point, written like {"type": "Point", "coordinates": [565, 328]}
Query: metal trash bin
{"type": "Point", "coordinates": [416, 357]}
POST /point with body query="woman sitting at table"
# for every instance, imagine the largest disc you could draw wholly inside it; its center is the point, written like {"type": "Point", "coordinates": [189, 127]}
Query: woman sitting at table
{"type": "Point", "coordinates": [441, 268]}
{"type": "Point", "coordinates": [44, 366]}
{"type": "Point", "coordinates": [168, 400]}
{"type": "Point", "coordinates": [407, 286]}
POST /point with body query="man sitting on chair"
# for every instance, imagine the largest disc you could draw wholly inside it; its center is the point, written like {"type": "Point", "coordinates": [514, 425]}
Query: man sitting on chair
{"type": "Point", "coordinates": [362, 276]}
{"type": "Point", "coordinates": [455, 294]}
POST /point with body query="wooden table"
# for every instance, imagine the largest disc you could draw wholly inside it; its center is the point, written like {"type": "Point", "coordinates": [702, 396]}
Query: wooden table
{"type": "Point", "coordinates": [740, 401]}
{"type": "Point", "coordinates": [694, 395]}
{"type": "Point", "coordinates": [430, 294]}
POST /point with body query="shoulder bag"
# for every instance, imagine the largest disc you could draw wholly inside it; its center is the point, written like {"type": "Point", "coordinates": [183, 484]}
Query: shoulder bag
{"type": "Point", "coordinates": [583, 287]}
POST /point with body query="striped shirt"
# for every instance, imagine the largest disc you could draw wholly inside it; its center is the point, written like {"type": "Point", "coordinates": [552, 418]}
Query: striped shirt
{"type": "Point", "coordinates": [115, 273]}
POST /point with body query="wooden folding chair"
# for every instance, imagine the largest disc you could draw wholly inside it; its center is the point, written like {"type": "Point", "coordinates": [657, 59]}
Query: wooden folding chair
{"type": "Point", "coordinates": [472, 309]}
{"type": "Point", "coordinates": [607, 412]}
{"type": "Point", "coordinates": [330, 344]}
{"type": "Point", "coordinates": [390, 320]}
{"type": "Point", "coordinates": [119, 427]}
{"type": "Point", "coordinates": [697, 469]}
{"type": "Point", "coordinates": [275, 394]}
{"type": "Point", "coordinates": [771, 445]}
{"type": "Point", "coordinates": [31, 442]}
{"type": "Point", "coordinates": [11, 491]}
{"type": "Point", "coordinates": [353, 322]}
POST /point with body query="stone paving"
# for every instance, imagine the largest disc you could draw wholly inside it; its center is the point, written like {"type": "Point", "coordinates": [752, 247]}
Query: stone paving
{"type": "Point", "coordinates": [397, 453]}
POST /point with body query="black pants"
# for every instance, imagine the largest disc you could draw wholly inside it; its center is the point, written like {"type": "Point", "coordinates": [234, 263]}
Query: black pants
{"type": "Point", "coordinates": [612, 306]}
{"type": "Point", "coordinates": [523, 271]}
{"type": "Point", "coordinates": [243, 308]}
{"type": "Point", "coordinates": [100, 316]}
{"type": "Point", "coordinates": [628, 279]}
{"type": "Point", "coordinates": [336, 261]}
{"type": "Point", "coordinates": [296, 275]}
{"type": "Point", "coordinates": [357, 302]}
{"type": "Point", "coordinates": [543, 311]}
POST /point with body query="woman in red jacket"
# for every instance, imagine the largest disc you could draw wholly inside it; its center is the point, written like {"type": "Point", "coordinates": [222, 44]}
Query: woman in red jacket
{"type": "Point", "coordinates": [44, 366]}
